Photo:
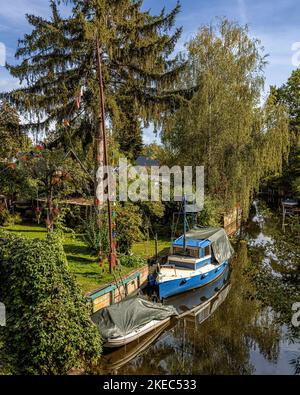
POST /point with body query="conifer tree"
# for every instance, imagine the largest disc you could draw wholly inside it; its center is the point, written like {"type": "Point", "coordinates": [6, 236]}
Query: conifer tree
{"type": "Point", "coordinates": [58, 65]}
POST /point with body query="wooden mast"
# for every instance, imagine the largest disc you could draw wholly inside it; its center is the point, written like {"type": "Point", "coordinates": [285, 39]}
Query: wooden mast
{"type": "Point", "coordinates": [184, 223]}
{"type": "Point", "coordinates": [112, 251]}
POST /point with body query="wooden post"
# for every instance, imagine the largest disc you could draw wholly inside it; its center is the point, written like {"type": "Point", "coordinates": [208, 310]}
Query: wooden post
{"type": "Point", "coordinates": [112, 253]}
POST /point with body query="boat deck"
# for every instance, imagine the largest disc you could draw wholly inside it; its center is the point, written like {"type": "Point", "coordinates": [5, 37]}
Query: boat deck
{"type": "Point", "coordinates": [181, 272]}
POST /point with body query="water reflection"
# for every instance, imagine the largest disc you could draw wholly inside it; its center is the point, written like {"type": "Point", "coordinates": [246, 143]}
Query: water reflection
{"type": "Point", "coordinates": [240, 325]}
{"type": "Point", "coordinates": [194, 308]}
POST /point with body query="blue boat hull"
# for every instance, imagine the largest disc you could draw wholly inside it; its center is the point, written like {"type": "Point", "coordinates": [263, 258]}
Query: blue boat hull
{"type": "Point", "coordinates": [177, 286]}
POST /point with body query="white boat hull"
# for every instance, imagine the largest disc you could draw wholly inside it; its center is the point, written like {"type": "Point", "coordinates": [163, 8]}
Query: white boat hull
{"type": "Point", "coordinates": [122, 341]}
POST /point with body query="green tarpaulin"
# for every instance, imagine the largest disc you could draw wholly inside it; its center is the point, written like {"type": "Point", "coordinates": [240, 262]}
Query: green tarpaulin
{"type": "Point", "coordinates": [121, 319]}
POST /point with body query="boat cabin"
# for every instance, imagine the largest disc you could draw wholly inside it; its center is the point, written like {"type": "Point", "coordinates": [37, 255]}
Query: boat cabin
{"type": "Point", "coordinates": [196, 254]}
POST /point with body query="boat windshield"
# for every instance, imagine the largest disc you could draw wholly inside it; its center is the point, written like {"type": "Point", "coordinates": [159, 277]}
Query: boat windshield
{"type": "Point", "coordinates": [191, 252]}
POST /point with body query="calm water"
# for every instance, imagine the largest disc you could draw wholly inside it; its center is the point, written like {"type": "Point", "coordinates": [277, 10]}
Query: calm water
{"type": "Point", "coordinates": [248, 329]}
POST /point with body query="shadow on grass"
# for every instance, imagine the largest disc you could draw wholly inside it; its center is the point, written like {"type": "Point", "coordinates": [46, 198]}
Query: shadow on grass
{"type": "Point", "coordinates": [77, 249]}
{"type": "Point", "coordinates": [79, 259]}
{"type": "Point", "coordinates": [25, 230]}
{"type": "Point", "coordinates": [88, 275]}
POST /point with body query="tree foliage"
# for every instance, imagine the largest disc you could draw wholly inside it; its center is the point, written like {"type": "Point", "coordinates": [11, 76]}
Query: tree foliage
{"type": "Point", "coordinates": [58, 60]}
{"type": "Point", "coordinates": [48, 330]}
{"type": "Point", "coordinates": [222, 127]}
{"type": "Point", "coordinates": [128, 227]}
{"type": "Point", "coordinates": [289, 95]}
{"type": "Point", "coordinates": [12, 138]}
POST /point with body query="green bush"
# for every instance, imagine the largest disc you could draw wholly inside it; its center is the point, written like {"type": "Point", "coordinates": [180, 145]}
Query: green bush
{"type": "Point", "coordinates": [72, 217]}
{"type": "Point", "coordinates": [128, 224]}
{"type": "Point", "coordinates": [95, 237]}
{"type": "Point", "coordinates": [48, 329]}
{"type": "Point", "coordinates": [4, 214]}
{"type": "Point", "coordinates": [296, 187]}
{"type": "Point", "coordinates": [132, 261]}
{"type": "Point", "coordinates": [7, 219]}
{"type": "Point", "coordinates": [61, 227]}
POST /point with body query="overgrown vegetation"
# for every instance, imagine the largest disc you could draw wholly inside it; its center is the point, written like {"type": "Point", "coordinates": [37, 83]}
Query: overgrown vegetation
{"type": "Point", "coordinates": [132, 260]}
{"type": "Point", "coordinates": [48, 329]}
{"type": "Point", "coordinates": [7, 219]}
{"type": "Point", "coordinates": [288, 182]}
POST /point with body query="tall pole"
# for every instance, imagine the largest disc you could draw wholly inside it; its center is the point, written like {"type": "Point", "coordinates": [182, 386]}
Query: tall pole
{"type": "Point", "coordinates": [184, 223]}
{"type": "Point", "coordinates": [112, 251]}
{"type": "Point", "coordinates": [156, 248]}
{"type": "Point", "coordinates": [99, 180]}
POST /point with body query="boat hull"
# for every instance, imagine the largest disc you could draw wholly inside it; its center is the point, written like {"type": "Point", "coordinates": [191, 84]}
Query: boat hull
{"type": "Point", "coordinates": [122, 341]}
{"type": "Point", "coordinates": [179, 285]}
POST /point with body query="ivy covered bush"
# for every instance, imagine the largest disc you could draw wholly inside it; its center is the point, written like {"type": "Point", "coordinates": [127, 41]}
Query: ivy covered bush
{"type": "Point", "coordinates": [48, 327]}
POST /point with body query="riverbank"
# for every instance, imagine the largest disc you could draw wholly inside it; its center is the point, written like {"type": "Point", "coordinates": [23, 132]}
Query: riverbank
{"type": "Point", "coordinates": [82, 264]}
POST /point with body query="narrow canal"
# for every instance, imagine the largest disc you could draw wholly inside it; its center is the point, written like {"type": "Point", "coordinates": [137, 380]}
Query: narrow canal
{"type": "Point", "coordinates": [248, 328]}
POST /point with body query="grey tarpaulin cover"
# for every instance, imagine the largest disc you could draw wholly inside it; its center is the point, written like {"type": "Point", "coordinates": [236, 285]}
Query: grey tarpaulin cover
{"type": "Point", "coordinates": [121, 319]}
{"type": "Point", "coordinates": [220, 243]}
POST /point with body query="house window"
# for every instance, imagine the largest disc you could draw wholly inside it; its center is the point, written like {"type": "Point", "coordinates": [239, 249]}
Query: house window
{"type": "Point", "coordinates": [207, 251]}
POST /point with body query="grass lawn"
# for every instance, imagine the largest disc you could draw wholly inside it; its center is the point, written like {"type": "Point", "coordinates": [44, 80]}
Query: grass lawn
{"type": "Point", "coordinates": [146, 249]}
{"type": "Point", "coordinates": [84, 265]}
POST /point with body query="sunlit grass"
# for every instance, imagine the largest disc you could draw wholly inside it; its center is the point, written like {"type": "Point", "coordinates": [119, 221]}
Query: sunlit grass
{"type": "Point", "coordinates": [146, 248]}
{"type": "Point", "coordinates": [84, 265]}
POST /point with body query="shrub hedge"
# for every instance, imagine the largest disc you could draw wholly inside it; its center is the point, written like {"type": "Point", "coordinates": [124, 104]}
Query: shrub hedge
{"type": "Point", "coordinates": [48, 327]}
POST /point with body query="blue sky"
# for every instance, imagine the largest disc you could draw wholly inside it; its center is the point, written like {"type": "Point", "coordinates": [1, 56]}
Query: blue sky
{"type": "Point", "coordinates": [274, 22]}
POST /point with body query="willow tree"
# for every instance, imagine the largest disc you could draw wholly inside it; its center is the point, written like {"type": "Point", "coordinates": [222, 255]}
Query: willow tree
{"type": "Point", "coordinates": [58, 65]}
{"type": "Point", "coordinates": [289, 95]}
{"type": "Point", "coordinates": [223, 127]}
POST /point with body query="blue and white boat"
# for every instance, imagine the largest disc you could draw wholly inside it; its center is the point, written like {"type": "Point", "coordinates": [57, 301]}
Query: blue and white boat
{"type": "Point", "coordinates": [197, 258]}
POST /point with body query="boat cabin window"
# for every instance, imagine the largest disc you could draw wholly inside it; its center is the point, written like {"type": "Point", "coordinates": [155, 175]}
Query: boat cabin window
{"type": "Point", "coordinates": [192, 252]}
{"type": "Point", "coordinates": [207, 251]}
